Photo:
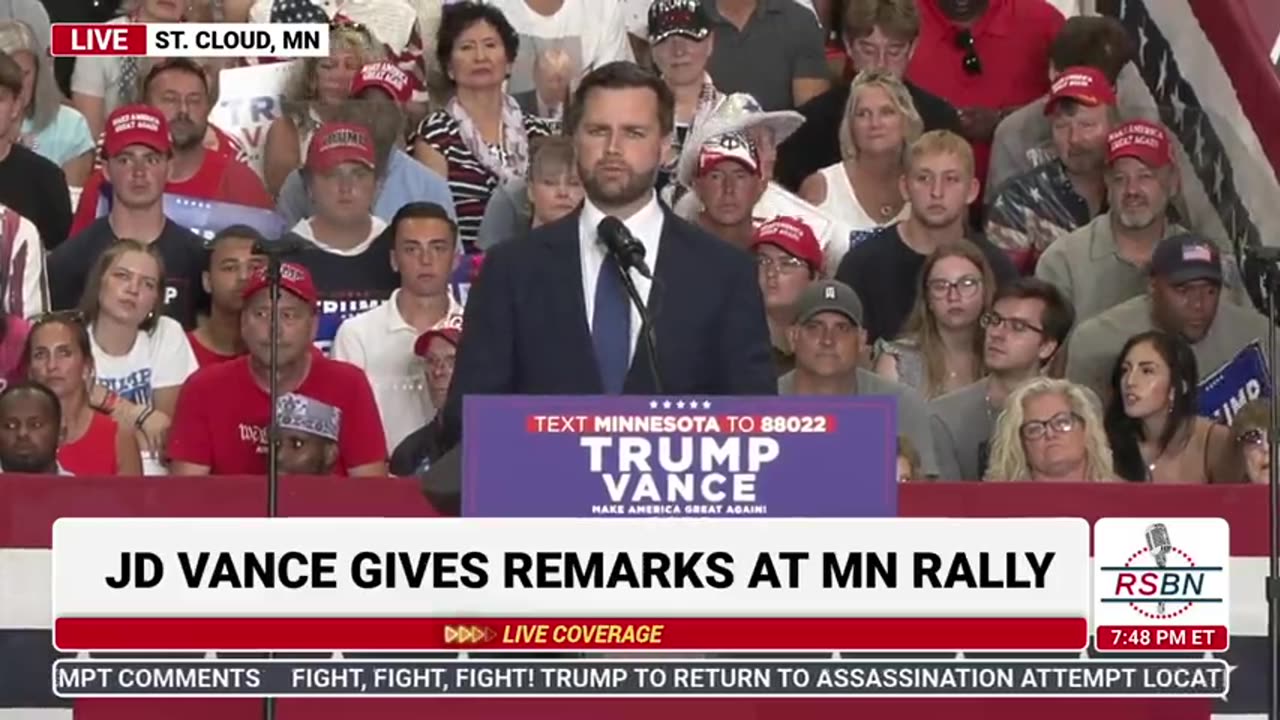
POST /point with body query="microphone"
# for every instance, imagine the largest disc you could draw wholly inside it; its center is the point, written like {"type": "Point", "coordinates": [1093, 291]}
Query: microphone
{"type": "Point", "coordinates": [620, 243]}
{"type": "Point", "coordinates": [1263, 253]}
{"type": "Point", "coordinates": [1159, 545]}
{"type": "Point", "coordinates": [287, 245]}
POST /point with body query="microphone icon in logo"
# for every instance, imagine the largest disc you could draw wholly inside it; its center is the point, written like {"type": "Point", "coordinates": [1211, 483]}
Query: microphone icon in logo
{"type": "Point", "coordinates": [1159, 545]}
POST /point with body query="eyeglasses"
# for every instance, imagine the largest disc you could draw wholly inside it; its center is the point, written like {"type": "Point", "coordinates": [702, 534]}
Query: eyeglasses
{"type": "Point", "coordinates": [972, 64]}
{"type": "Point", "coordinates": [1060, 424]}
{"type": "Point", "coordinates": [783, 265]}
{"type": "Point", "coordinates": [965, 287]}
{"type": "Point", "coordinates": [1253, 437]}
{"type": "Point", "coordinates": [1018, 325]}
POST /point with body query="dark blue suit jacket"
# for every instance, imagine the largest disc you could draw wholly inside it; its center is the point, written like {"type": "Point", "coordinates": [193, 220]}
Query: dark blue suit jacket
{"type": "Point", "coordinates": [525, 330]}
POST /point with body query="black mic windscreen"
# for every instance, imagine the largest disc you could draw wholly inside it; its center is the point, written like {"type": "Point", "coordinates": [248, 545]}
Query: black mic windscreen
{"type": "Point", "coordinates": [611, 232]}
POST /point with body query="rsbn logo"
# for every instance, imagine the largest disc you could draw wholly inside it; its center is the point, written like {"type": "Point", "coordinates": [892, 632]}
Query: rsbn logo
{"type": "Point", "coordinates": [1160, 580]}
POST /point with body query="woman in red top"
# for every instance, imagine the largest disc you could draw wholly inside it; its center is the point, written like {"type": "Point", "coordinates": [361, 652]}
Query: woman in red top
{"type": "Point", "coordinates": [60, 357]}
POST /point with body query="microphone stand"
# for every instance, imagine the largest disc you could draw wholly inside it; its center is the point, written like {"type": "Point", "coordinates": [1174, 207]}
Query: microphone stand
{"type": "Point", "coordinates": [647, 334]}
{"type": "Point", "coordinates": [274, 263]}
{"type": "Point", "coordinates": [1271, 274]}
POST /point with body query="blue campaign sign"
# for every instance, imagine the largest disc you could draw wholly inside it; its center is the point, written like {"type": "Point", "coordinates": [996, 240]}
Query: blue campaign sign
{"type": "Point", "coordinates": [576, 456]}
{"type": "Point", "coordinates": [1243, 378]}
{"type": "Point", "coordinates": [207, 217]}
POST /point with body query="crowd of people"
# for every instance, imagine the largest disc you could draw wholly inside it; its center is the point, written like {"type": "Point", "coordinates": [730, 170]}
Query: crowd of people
{"type": "Point", "coordinates": [949, 202]}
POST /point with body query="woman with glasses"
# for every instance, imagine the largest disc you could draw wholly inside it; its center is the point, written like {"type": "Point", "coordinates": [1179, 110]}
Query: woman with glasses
{"type": "Point", "coordinates": [863, 190]}
{"type": "Point", "coordinates": [317, 88]}
{"type": "Point", "coordinates": [941, 348]}
{"type": "Point", "coordinates": [788, 259]}
{"type": "Point", "coordinates": [1155, 433]}
{"type": "Point", "coordinates": [1050, 431]}
{"type": "Point", "coordinates": [480, 140]}
{"type": "Point", "coordinates": [141, 356]}
{"type": "Point", "coordinates": [60, 356]}
{"type": "Point", "coordinates": [1249, 431]}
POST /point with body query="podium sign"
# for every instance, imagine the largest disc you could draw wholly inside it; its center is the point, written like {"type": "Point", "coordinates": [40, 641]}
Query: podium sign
{"type": "Point", "coordinates": [627, 456]}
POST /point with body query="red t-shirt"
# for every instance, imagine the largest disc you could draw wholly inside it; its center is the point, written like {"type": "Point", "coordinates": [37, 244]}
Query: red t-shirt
{"type": "Point", "coordinates": [222, 415]}
{"type": "Point", "coordinates": [95, 452]}
{"type": "Point", "coordinates": [205, 356]}
{"type": "Point", "coordinates": [1012, 41]}
{"type": "Point", "coordinates": [219, 178]}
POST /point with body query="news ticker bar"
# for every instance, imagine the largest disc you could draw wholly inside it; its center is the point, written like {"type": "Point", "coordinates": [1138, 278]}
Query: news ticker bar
{"type": "Point", "coordinates": [638, 678]}
{"type": "Point", "coordinates": [563, 634]}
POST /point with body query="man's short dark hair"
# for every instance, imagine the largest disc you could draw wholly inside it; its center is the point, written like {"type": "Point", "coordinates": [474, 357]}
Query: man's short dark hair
{"type": "Point", "coordinates": [1099, 42]}
{"type": "Point", "coordinates": [621, 75]}
{"type": "Point", "coordinates": [31, 386]}
{"type": "Point", "coordinates": [10, 74]}
{"type": "Point", "coordinates": [180, 64]}
{"type": "Point", "coordinates": [238, 231]}
{"type": "Point", "coordinates": [422, 210]}
{"type": "Point", "coordinates": [1058, 316]}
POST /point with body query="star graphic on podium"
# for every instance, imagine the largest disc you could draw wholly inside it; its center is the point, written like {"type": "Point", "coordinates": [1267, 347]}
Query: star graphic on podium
{"type": "Point", "coordinates": [706, 404]}
{"type": "Point", "coordinates": [653, 404]}
{"type": "Point", "coordinates": [680, 404]}
{"type": "Point", "coordinates": [666, 404]}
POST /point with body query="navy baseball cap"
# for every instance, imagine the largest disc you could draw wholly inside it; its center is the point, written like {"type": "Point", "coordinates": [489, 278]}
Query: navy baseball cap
{"type": "Point", "coordinates": [1186, 258]}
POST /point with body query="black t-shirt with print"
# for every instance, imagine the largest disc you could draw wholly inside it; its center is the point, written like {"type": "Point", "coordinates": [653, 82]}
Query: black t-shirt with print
{"type": "Point", "coordinates": [347, 285]}
{"type": "Point", "coordinates": [184, 261]}
{"type": "Point", "coordinates": [884, 271]}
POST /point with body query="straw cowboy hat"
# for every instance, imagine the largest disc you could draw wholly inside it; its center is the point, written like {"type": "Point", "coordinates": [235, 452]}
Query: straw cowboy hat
{"type": "Point", "coordinates": [737, 112]}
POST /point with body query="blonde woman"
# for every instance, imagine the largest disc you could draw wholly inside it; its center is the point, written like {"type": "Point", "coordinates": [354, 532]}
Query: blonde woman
{"type": "Point", "coordinates": [864, 189]}
{"type": "Point", "coordinates": [1050, 431]}
{"type": "Point", "coordinates": [319, 86]}
{"type": "Point", "coordinates": [941, 349]}
{"type": "Point", "coordinates": [50, 127]}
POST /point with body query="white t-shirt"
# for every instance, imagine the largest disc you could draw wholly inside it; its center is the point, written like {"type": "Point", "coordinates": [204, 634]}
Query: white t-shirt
{"type": "Point", "coordinates": [159, 359]}
{"type": "Point", "coordinates": [591, 32]}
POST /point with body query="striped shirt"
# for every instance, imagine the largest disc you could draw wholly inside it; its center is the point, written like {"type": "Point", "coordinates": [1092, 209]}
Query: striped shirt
{"type": "Point", "coordinates": [470, 183]}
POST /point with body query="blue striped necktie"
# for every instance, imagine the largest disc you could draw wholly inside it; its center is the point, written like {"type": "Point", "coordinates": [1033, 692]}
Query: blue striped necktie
{"type": "Point", "coordinates": [611, 327]}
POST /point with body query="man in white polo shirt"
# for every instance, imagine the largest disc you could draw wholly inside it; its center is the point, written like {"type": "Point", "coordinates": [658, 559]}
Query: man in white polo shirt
{"type": "Point", "coordinates": [380, 341]}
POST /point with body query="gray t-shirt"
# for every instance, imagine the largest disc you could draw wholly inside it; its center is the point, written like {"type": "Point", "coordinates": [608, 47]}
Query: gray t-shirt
{"type": "Point", "coordinates": [913, 415]}
{"type": "Point", "coordinates": [507, 215]}
{"type": "Point", "coordinates": [961, 423]}
{"type": "Point", "coordinates": [1094, 346]}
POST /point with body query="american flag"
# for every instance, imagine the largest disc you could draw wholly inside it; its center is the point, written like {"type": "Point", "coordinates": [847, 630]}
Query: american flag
{"type": "Point", "coordinates": [26, 652]}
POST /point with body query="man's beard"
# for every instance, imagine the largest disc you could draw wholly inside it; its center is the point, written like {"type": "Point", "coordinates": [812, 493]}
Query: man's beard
{"type": "Point", "coordinates": [634, 188]}
{"type": "Point", "coordinates": [31, 465]}
{"type": "Point", "coordinates": [185, 134]}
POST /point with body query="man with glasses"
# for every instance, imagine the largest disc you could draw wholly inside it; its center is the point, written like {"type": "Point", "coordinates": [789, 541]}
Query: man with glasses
{"type": "Point", "coordinates": [877, 35]}
{"type": "Point", "coordinates": [828, 338]}
{"type": "Point", "coordinates": [1028, 322]}
{"type": "Point", "coordinates": [423, 447]}
{"type": "Point", "coordinates": [179, 89]}
{"type": "Point", "coordinates": [139, 154]}
{"type": "Point", "coordinates": [788, 258]}
{"type": "Point", "coordinates": [986, 57]}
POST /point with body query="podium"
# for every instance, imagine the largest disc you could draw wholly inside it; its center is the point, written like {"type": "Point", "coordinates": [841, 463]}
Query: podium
{"type": "Point", "coordinates": [628, 456]}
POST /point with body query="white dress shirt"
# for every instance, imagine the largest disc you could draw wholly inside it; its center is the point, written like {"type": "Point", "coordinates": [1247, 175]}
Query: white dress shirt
{"type": "Point", "coordinates": [646, 226]}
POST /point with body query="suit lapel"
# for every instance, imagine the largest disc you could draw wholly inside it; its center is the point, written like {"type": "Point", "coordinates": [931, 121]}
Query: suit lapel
{"type": "Point", "coordinates": [564, 265]}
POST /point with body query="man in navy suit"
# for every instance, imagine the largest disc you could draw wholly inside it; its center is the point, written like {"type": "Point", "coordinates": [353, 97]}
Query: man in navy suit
{"type": "Point", "coordinates": [549, 315]}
